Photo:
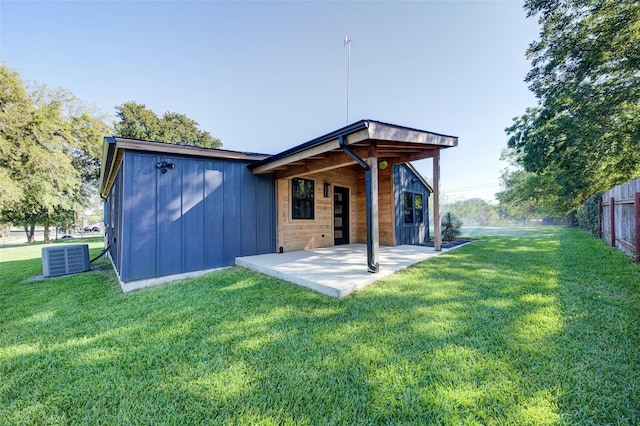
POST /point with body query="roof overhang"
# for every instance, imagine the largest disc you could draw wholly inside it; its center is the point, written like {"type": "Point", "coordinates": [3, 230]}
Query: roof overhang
{"type": "Point", "coordinates": [393, 143]}
{"type": "Point", "coordinates": [113, 149]}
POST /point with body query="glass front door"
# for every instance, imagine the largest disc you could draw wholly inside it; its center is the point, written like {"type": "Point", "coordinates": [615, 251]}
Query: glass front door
{"type": "Point", "coordinates": [340, 215]}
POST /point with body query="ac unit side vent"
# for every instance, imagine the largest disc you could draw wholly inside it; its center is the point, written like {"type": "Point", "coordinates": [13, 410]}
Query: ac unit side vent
{"type": "Point", "coordinates": [64, 260]}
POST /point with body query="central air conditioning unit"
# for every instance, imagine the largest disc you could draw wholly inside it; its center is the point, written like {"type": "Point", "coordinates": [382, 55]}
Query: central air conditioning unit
{"type": "Point", "coordinates": [66, 259]}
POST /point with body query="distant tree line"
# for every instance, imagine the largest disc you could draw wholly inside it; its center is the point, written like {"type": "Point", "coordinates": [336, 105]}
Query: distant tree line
{"type": "Point", "coordinates": [473, 212]}
{"type": "Point", "coordinates": [51, 149]}
{"type": "Point", "coordinates": [480, 212]}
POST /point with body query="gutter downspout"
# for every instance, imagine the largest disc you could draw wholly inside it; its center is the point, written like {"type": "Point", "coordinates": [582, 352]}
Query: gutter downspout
{"type": "Point", "coordinates": [372, 252]}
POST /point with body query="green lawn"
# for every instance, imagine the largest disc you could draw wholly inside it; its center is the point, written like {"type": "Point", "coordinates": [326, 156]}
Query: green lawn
{"type": "Point", "coordinates": [540, 327]}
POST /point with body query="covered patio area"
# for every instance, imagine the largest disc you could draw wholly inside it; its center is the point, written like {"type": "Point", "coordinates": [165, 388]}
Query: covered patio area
{"type": "Point", "coordinates": [348, 187]}
{"type": "Point", "coordinates": [335, 271]}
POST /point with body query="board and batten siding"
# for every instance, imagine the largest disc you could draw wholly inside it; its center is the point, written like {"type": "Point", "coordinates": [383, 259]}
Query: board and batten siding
{"type": "Point", "coordinates": [405, 181]}
{"type": "Point", "coordinates": [199, 215]}
{"type": "Point", "coordinates": [113, 222]}
{"type": "Point", "coordinates": [301, 234]}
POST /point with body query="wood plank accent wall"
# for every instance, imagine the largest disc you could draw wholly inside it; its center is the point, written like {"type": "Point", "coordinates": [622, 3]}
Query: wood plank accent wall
{"type": "Point", "coordinates": [301, 234]}
{"type": "Point", "coordinates": [385, 207]}
{"type": "Point", "coordinates": [304, 234]}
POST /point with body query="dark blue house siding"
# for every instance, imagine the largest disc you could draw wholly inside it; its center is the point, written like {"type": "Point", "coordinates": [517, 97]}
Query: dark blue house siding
{"type": "Point", "coordinates": [404, 180]}
{"type": "Point", "coordinates": [199, 215]}
{"type": "Point", "coordinates": [113, 221]}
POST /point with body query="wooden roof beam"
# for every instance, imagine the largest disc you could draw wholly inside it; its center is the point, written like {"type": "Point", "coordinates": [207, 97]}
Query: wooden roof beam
{"type": "Point", "coordinates": [323, 148]}
{"type": "Point", "coordinates": [335, 161]}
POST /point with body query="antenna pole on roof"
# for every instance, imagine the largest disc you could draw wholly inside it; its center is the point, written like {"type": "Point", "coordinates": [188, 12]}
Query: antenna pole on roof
{"type": "Point", "coordinates": [347, 42]}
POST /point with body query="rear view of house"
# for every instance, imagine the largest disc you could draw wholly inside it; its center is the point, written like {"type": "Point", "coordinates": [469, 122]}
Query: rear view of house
{"type": "Point", "coordinates": [173, 211]}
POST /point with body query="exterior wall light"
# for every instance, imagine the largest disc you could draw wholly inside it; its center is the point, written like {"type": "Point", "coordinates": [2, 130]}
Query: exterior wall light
{"type": "Point", "coordinates": [164, 166]}
{"type": "Point", "coordinates": [327, 185]}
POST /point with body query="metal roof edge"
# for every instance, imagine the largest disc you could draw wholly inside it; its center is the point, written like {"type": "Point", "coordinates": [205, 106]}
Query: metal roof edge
{"type": "Point", "coordinates": [351, 128]}
{"type": "Point", "coordinates": [346, 130]}
{"type": "Point", "coordinates": [196, 148]}
{"type": "Point", "coordinates": [413, 129]}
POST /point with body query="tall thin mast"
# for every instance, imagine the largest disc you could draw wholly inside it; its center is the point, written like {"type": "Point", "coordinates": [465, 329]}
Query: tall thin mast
{"type": "Point", "coordinates": [347, 42]}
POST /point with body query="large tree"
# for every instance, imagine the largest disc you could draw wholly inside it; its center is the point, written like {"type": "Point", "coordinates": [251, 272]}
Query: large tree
{"type": "Point", "coordinates": [585, 131]}
{"type": "Point", "coordinates": [15, 109]}
{"type": "Point", "coordinates": [49, 153]}
{"type": "Point", "coordinates": [137, 121]}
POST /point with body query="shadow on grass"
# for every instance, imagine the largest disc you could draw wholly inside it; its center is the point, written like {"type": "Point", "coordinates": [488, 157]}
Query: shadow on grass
{"type": "Point", "coordinates": [600, 301]}
{"type": "Point", "coordinates": [482, 334]}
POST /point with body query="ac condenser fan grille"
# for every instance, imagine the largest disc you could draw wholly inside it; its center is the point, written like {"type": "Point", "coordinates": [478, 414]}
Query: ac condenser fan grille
{"type": "Point", "coordinates": [64, 260]}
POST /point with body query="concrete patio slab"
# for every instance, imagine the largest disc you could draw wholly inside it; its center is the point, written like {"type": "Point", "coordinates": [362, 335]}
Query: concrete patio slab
{"type": "Point", "coordinates": [335, 271]}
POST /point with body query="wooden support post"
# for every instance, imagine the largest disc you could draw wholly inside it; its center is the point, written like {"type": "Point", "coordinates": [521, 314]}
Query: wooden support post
{"type": "Point", "coordinates": [600, 218]}
{"type": "Point", "coordinates": [437, 234]}
{"type": "Point", "coordinates": [612, 210]}
{"type": "Point", "coordinates": [637, 226]}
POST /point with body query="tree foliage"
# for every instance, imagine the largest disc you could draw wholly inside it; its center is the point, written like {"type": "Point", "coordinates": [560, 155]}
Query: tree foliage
{"type": "Point", "coordinates": [136, 121]}
{"type": "Point", "coordinates": [474, 211]}
{"type": "Point", "coordinates": [584, 134]}
{"type": "Point", "coordinates": [50, 147]}
{"type": "Point", "coordinates": [14, 111]}
{"type": "Point", "coordinates": [527, 195]}
{"type": "Point", "coordinates": [587, 214]}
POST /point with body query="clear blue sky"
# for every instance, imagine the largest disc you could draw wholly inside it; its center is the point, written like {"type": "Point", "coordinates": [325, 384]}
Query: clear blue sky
{"type": "Point", "coordinates": [265, 76]}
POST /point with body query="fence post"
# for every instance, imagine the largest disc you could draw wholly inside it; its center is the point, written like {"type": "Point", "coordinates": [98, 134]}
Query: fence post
{"type": "Point", "coordinates": [600, 218]}
{"type": "Point", "coordinates": [612, 209]}
{"type": "Point", "coordinates": [636, 226]}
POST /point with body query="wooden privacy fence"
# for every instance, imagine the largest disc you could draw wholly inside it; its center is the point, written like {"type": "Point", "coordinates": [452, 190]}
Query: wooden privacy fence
{"type": "Point", "coordinates": [619, 217]}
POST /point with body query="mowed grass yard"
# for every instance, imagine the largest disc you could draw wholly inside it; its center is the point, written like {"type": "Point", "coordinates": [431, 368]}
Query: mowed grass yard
{"type": "Point", "coordinates": [537, 327]}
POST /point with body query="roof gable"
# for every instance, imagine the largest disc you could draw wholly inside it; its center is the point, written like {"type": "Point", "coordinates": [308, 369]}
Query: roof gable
{"type": "Point", "coordinates": [418, 176]}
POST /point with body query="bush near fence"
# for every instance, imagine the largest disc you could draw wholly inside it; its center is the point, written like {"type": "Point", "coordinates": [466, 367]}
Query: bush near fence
{"type": "Point", "coordinates": [587, 215]}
